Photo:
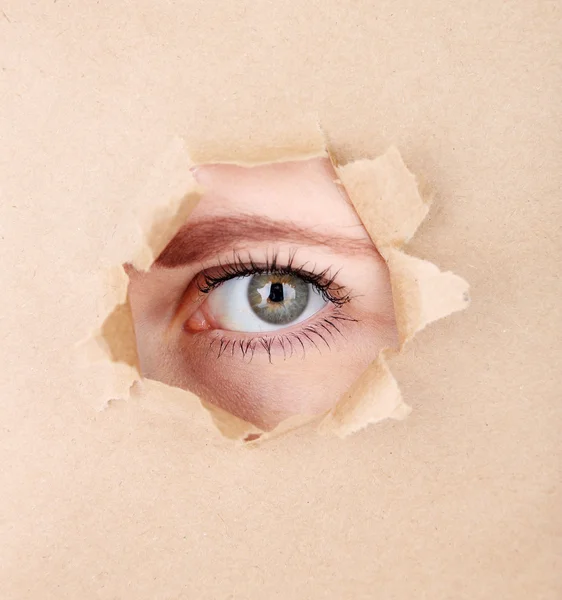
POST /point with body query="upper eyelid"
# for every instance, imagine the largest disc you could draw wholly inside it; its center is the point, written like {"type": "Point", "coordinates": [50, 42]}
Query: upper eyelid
{"type": "Point", "coordinates": [271, 259]}
{"type": "Point", "coordinates": [226, 276]}
{"type": "Point", "coordinates": [324, 279]}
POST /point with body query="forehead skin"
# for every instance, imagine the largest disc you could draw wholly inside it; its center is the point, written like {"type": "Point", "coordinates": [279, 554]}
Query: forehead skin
{"type": "Point", "coordinates": [299, 191]}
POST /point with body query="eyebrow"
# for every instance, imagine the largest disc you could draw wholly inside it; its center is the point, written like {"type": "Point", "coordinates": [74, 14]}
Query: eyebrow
{"type": "Point", "coordinates": [203, 238]}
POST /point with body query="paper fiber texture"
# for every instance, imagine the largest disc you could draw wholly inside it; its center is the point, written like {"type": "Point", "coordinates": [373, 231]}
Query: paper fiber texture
{"type": "Point", "coordinates": [144, 498]}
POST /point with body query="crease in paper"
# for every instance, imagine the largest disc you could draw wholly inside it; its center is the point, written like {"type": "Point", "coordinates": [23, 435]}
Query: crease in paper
{"type": "Point", "coordinates": [386, 197]}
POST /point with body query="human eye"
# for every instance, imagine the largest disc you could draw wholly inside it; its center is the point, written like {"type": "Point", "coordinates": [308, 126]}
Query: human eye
{"type": "Point", "coordinates": [270, 300]}
{"type": "Point", "coordinates": [264, 302]}
{"type": "Point", "coordinates": [270, 304]}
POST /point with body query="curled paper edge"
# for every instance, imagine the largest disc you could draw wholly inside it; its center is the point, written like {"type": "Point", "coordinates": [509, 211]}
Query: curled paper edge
{"type": "Point", "coordinates": [386, 197]}
{"type": "Point", "coordinates": [422, 293]}
{"type": "Point", "coordinates": [308, 142]}
{"type": "Point", "coordinates": [373, 397]}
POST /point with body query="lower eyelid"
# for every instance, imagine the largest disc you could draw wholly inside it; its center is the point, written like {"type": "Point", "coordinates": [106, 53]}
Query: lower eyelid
{"type": "Point", "coordinates": [320, 333]}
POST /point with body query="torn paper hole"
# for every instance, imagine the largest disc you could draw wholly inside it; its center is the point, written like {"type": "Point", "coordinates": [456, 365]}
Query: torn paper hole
{"type": "Point", "coordinates": [276, 291]}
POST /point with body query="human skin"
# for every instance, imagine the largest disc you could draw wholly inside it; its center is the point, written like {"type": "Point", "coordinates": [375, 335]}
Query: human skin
{"type": "Point", "coordinates": [294, 213]}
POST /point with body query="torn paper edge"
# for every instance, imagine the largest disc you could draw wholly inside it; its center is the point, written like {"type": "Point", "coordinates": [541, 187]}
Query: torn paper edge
{"type": "Point", "coordinates": [386, 197]}
{"type": "Point", "coordinates": [309, 142]}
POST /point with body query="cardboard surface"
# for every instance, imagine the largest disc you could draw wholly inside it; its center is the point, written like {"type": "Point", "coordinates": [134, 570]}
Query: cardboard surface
{"type": "Point", "coordinates": [144, 498]}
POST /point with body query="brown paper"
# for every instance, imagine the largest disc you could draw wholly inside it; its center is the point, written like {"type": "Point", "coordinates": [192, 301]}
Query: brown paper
{"type": "Point", "coordinates": [147, 499]}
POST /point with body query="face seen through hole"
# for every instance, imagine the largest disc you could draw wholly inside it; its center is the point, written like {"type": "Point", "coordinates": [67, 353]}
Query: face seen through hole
{"type": "Point", "coordinates": [271, 300]}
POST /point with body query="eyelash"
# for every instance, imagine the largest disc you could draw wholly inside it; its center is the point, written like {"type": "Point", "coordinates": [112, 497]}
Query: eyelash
{"type": "Point", "coordinates": [316, 334]}
{"type": "Point", "coordinates": [290, 343]}
{"type": "Point", "coordinates": [323, 281]}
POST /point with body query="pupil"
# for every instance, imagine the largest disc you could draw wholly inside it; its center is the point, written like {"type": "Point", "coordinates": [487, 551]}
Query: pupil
{"type": "Point", "coordinates": [276, 292]}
